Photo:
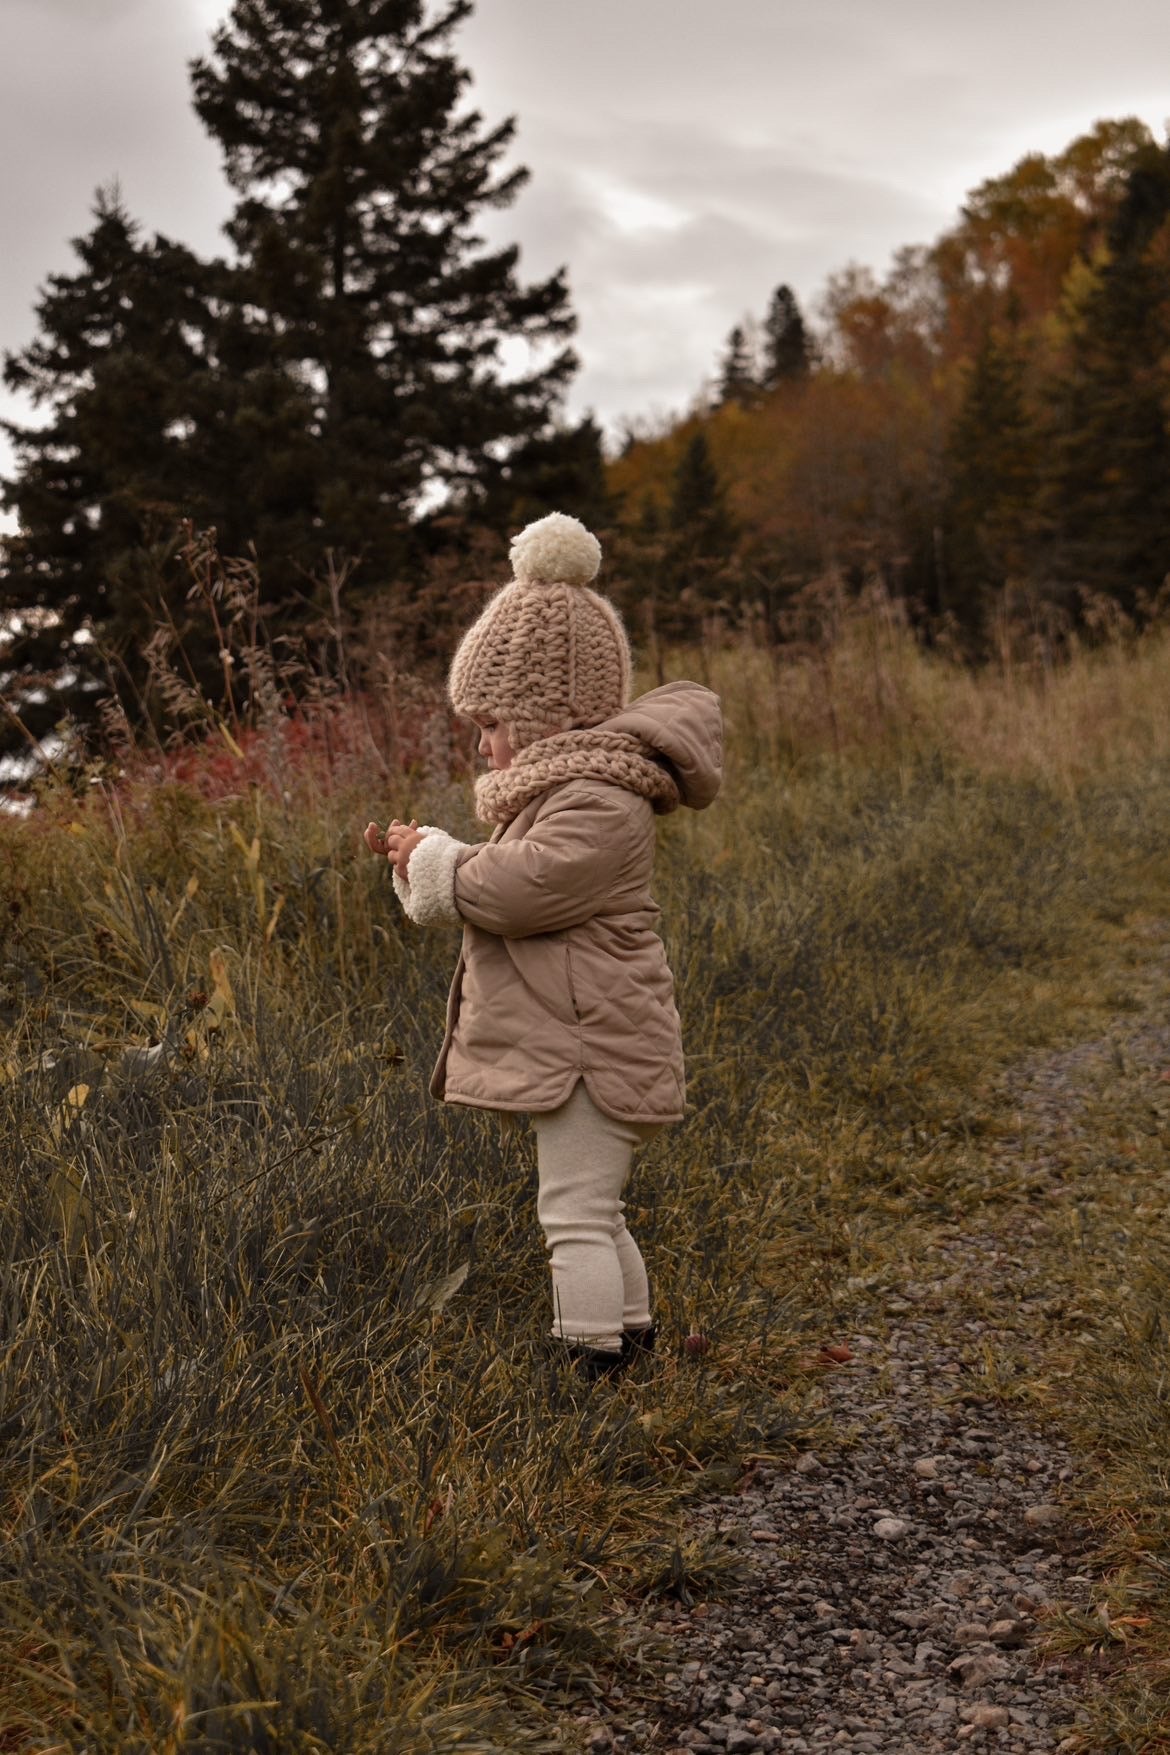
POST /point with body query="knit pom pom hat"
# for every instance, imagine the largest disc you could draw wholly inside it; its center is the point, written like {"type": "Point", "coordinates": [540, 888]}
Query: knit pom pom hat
{"type": "Point", "coordinates": [547, 654]}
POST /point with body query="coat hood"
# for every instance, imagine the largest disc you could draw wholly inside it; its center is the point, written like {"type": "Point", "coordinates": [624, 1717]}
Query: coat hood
{"type": "Point", "coordinates": [682, 724]}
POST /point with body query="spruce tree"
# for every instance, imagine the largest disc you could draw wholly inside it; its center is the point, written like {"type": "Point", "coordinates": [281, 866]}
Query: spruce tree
{"type": "Point", "coordinates": [992, 479]}
{"type": "Point", "coordinates": [101, 485]}
{"type": "Point", "coordinates": [701, 533]}
{"type": "Point", "coordinates": [737, 378]}
{"type": "Point", "coordinates": [562, 470]}
{"type": "Point", "coordinates": [788, 351]}
{"type": "Point", "coordinates": [696, 501]}
{"type": "Point", "coordinates": [1108, 485]}
{"type": "Point", "coordinates": [360, 183]}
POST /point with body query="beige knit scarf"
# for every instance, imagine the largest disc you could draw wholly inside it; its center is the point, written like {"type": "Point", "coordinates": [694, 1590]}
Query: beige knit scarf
{"type": "Point", "coordinates": [613, 756]}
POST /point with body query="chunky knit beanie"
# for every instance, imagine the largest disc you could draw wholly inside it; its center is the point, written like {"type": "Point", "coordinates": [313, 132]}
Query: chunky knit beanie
{"type": "Point", "coordinates": [547, 654]}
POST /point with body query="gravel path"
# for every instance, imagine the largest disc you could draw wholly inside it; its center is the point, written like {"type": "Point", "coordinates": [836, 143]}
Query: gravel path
{"type": "Point", "coordinates": [897, 1582]}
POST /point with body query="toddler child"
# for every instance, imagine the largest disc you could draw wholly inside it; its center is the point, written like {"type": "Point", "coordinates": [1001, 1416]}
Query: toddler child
{"type": "Point", "coordinates": [562, 1005]}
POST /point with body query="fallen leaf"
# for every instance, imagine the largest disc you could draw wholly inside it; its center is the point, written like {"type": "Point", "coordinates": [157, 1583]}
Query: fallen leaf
{"type": "Point", "coordinates": [434, 1297]}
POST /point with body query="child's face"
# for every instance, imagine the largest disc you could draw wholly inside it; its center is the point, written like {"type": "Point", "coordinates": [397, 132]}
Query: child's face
{"type": "Point", "coordinates": [493, 743]}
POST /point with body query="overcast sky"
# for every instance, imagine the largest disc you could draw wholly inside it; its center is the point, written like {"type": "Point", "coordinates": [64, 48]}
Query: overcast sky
{"type": "Point", "coordinates": [686, 155]}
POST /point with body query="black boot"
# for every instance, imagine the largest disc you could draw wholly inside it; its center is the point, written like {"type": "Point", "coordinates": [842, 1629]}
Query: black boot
{"type": "Point", "coordinates": [594, 1363]}
{"type": "Point", "coordinates": [638, 1340]}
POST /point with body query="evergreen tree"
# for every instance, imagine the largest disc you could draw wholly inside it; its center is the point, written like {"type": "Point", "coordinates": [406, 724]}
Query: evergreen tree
{"type": "Point", "coordinates": [698, 509]}
{"type": "Point", "coordinates": [788, 352]}
{"type": "Point", "coordinates": [561, 470]}
{"type": "Point", "coordinates": [737, 379]}
{"type": "Point", "coordinates": [701, 533]}
{"type": "Point", "coordinates": [1108, 489]}
{"type": "Point", "coordinates": [637, 574]}
{"type": "Point", "coordinates": [992, 477]}
{"type": "Point", "coordinates": [360, 184]}
{"type": "Point", "coordinates": [100, 486]}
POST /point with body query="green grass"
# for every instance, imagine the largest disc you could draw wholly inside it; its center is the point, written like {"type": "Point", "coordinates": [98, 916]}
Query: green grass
{"type": "Point", "coordinates": [283, 1462]}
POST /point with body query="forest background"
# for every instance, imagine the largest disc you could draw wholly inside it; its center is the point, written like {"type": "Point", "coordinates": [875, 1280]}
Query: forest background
{"type": "Point", "coordinates": [362, 400]}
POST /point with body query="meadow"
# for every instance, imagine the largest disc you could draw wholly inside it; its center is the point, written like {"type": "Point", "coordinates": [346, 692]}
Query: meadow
{"type": "Point", "coordinates": [283, 1462]}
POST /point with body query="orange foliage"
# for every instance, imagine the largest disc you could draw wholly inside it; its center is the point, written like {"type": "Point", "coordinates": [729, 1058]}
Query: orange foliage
{"type": "Point", "coordinates": [1008, 257]}
{"type": "Point", "coordinates": [847, 468]}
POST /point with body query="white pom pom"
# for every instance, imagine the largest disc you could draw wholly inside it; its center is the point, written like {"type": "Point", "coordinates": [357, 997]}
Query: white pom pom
{"type": "Point", "coordinates": [557, 550]}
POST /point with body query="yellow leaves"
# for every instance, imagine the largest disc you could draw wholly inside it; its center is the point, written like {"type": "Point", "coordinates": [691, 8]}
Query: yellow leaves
{"type": "Point", "coordinates": [317, 1404]}
{"type": "Point", "coordinates": [71, 1105]}
{"type": "Point", "coordinates": [190, 891]}
{"type": "Point", "coordinates": [72, 1203]}
{"type": "Point", "coordinates": [221, 1005]}
{"type": "Point", "coordinates": [64, 1480]}
{"type": "Point", "coordinates": [69, 1183]}
{"type": "Point", "coordinates": [231, 743]}
{"type": "Point", "coordinates": [251, 851]}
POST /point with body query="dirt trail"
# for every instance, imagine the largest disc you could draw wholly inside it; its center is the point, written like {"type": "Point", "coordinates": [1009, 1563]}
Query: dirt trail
{"type": "Point", "coordinates": [899, 1579]}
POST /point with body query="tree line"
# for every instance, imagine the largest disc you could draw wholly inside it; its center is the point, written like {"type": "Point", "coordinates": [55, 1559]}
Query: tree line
{"type": "Point", "coordinates": [339, 398]}
{"type": "Point", "coordinates": [989, 423]}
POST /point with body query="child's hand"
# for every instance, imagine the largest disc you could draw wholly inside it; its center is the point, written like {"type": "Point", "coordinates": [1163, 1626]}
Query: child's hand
{"type": "Point", "coordinates": [397, 844]}
{"type": "Point", "coordinates": [401, 841]}
{"type": "Point", "coordinates": [375, 840]}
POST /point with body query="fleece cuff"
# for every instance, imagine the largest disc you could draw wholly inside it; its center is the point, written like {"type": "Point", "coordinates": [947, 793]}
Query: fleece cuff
{"type": "Point", "coordinates": [428, 894]}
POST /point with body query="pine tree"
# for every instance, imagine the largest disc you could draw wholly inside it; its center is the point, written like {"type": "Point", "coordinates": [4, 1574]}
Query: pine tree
{"type": "Point", "coordinates": [100, 487]}
{"type": "Point", "coordinates": [737, 378]}
{"type": "Point", "coordinates": [992, 479]}
{"type": "Point", "coordinates": [1108, 487]}
{"type": "Point", "coordinates": [788, 352]}
{"type": "Point", "coordinates": [560, 470]}
{"type": "Point", "coordinates": [361, 276]}
{"type": "Point", "coordinates": [701, 534]}
{"type": "Point", "coordinates": [696, 501]}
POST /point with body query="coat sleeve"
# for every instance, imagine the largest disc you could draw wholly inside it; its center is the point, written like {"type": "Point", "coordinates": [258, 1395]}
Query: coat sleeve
{"type": "Point", "coordinates": [428, 892]}
{"type": "Point", "coordinates": [555, 876]}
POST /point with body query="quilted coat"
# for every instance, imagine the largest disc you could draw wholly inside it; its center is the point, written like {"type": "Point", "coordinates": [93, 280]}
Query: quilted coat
{"type": "Point", "coordinates": [562, 974]}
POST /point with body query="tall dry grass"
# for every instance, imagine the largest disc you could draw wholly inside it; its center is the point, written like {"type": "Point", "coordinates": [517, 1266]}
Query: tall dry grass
{"type": "Point", "coordinates": [856, 682]}
{"type": "Point", "coordinates": [284, 1463]}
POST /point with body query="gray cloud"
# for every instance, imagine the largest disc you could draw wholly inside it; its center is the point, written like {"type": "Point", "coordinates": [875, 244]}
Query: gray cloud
{"type": "Point", "coordinates": [93, 91]}
{"type": "Point", "coordinates": [685, 157]}
{"type": "Point", "coordinates": [791, 138]}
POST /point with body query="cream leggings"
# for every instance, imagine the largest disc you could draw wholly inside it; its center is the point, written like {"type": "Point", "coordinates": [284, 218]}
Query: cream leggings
{"type": "Point", "coordinates": [598, 1280]}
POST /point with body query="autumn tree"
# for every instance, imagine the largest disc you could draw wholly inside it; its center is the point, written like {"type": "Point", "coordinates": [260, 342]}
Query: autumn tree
{"type": "Point", "coordinates": [993, 407]}
{"type": "Point", "coordinates": [1020, 233]}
